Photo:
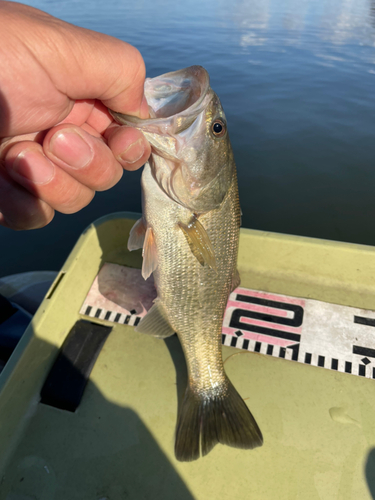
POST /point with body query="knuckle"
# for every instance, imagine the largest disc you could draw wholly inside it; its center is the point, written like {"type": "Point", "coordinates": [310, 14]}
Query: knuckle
{"type": "Point", "coordinates": [137, 65]}
{"type": "Point", "coordinates": [140, 67]}
{"type": "Point", "coordinates": [107, 179]}
{"type": "Point", "coordinates": [73, 200]}
{"type": "Point", "coordinates": [33, 218]}
{"type": "Point", "coordinates": [105, 171]}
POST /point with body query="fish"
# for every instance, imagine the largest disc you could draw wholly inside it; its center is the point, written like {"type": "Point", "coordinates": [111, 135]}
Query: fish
{"type": "Point", "coordinates": [189, 233]}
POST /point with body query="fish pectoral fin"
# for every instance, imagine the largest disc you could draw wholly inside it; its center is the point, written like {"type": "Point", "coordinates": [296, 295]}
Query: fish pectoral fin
{"type": "Point", "coordinates": [149, 253]}
{"type": "Point", "coordinates": [137, 235]}
{"type": "Point", "coordinates": [155, 323]}
{"type": "Point", "coordinates": [199, 242]}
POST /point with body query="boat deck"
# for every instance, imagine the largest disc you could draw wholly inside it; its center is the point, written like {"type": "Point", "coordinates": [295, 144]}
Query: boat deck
{"type": "Point", "coordinates": [317, 423]}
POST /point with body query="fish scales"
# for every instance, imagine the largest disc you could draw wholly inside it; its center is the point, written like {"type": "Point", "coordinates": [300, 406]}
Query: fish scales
{"type": "Point", "coordinates": [189, 232]}
{"type": "Point", "coordinates": [194, 311]}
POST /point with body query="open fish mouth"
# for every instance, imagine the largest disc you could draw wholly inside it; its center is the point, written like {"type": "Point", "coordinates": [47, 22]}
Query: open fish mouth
{"type": "Point", "coordinates": [174, 93]}
{"type": "Point", "coordinates": [175, 100]}
{"type": "Point", "coordinates": [190, 163]}
{"type": "Point", "coordinates": [179, 104]}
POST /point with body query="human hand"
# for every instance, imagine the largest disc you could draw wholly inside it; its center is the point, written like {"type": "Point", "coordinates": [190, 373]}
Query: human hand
{"type": "Point", "coordinates": [58, 143]}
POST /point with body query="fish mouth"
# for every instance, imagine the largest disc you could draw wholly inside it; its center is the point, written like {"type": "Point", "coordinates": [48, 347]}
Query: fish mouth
{"type": "Point", "coordinates": [175, 100]}
{"type": "Point", "coordinates": [176, 92]}
{"type": "Point", "coordinates": [180, 104]}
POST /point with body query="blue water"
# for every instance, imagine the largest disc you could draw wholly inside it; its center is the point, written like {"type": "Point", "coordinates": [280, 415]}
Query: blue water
{"type": "Point", "coordinates": [296, 79]}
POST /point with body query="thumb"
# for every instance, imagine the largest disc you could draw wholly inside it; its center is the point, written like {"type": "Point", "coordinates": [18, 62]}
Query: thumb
{"type": "Point", "coordinates": [80, 63]}
{"type": "Point", "coordinates": [103, 68]}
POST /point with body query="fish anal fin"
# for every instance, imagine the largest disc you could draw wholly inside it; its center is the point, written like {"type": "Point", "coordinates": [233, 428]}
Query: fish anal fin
{"type": "Point", "coordinates": [149, 253]}
{"type": "Point", "coordinates": [137, 235]}
{"type": "Point", "coordinates": [199, 242]}
{"type": "Point", "coordinates": [155, 323]}
{"type": "Point", "coordinates": [222, 418]}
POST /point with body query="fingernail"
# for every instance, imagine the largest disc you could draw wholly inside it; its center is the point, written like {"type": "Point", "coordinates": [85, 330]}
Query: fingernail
{"type": "Point", "coordinates": [33, 166]}
{"type": "Point", "coordinates": [71, 148]}
{"type": "Point", "coordinates": [134, 152]}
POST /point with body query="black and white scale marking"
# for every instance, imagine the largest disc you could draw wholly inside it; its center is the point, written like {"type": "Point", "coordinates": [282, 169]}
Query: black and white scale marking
{"type": "Point", "coordinates": [331, 336]}
{"type": "Point", "coordinates": [361, 368]}
{"type": "Point", "coordinates": [131, 319]}
{"type": "Point", "coordinates": [339, 338]}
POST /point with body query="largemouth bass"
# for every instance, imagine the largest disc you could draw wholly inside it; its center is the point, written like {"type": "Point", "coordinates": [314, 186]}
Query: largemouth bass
{"type": "Point", "coordinates": [189, 233]}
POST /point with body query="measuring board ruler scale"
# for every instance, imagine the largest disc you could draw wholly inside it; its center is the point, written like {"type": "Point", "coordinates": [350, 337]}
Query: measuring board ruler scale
{"type": "Point", "coordinates": [128, 318]}
{"type": "Point", "coordinates": [331, 336]}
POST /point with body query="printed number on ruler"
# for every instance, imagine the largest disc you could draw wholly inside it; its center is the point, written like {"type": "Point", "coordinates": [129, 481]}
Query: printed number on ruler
{"type": "Point", "coordinates": [317, 333]}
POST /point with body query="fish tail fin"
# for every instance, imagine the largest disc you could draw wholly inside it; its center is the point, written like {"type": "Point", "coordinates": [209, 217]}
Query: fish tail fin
{"type": "Point", "coordinates": [205, 421]}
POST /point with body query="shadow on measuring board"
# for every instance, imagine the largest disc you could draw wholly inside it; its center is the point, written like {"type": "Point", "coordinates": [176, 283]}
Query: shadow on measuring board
{"type": "Point", "coordinates": [178, 358]}
{"type": "Point", "coordinates": [370, 472]}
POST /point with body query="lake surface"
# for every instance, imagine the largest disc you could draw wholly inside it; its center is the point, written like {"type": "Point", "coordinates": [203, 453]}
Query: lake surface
{"type": "Point", "coordinates": [296, 79]}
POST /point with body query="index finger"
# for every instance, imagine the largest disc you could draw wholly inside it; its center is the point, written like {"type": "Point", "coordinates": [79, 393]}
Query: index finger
{"type": "Point", "coordinates": [87, 64]}
{"type": "Point", "coordinates": [107, 69]}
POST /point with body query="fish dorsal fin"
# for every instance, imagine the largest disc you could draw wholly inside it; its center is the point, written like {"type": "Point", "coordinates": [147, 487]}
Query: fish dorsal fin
{"type": "Point", "coordinates": [199, 242]}
{"type": "Point", "coordinates": [137, 235]}
{"type": "Point", "coordinates": [155, 323]}
{"type": "Point", "coordinates": [149, 254]}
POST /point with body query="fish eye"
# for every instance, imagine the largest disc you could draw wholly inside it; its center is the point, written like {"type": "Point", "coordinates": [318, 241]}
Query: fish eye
{"type": "Point", "coordinates": [218, 128]}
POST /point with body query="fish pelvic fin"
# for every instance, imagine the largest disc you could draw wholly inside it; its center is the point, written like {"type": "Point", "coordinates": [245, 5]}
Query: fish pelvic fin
{"type": "Point", "coordinates": [199, 242]}
{"type": "Point", "coordinates": [155, 323]}
{"type": "Point", "coordinates": [205, 421]}
{"type": "Point", "coordinates": [137, 235]}
{"type": "Point", "coordinates": [149, 253]}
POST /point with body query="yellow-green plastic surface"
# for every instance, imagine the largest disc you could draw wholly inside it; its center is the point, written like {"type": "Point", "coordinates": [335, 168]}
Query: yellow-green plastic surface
{"type": "Point", "coordinates": [318, 425]}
